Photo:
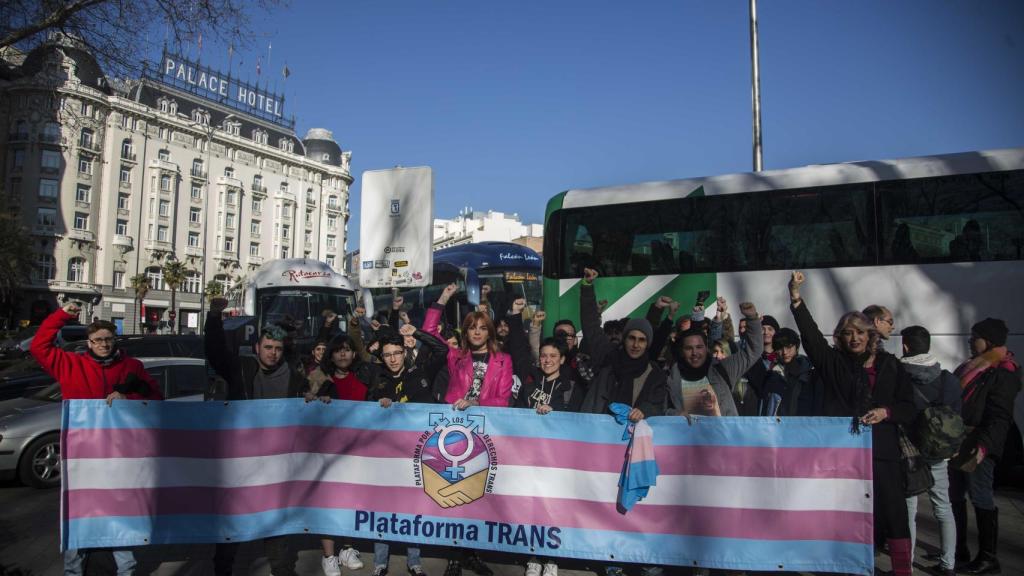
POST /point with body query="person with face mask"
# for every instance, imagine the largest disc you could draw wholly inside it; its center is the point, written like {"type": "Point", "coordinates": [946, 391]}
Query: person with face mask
{"type": "Point", "coordinates": [989, 380]}
{"type": "Point", "coordinates": [102, 372]}
{"type": "Point", "coordinates": [862, 381]}
{"type": "Point", "coordinates": [625, 373]}
{"type": "Point", "coordinates": [696, 371]}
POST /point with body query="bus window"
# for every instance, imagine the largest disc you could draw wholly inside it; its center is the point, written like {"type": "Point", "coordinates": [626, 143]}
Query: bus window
{"type": "Point", "coordinates": [963, 218]}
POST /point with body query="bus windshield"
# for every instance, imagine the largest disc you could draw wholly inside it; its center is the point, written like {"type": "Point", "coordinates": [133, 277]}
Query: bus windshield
{"type": "Point", "coordinates": [302, 309]}
{"type": "Point", "coordinates": [508, 285]}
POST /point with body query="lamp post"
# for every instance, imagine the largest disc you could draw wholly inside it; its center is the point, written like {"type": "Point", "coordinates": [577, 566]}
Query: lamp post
{"type": "Point", "coordinates": [210, 129]}
{"type": "Point", "coordinates": [755, 81]}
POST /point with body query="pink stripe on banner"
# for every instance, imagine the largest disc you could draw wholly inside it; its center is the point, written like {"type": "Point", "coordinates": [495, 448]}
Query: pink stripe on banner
{"type": "Point", "coordinates": [681, 520]}
{"type": "Point", "coordinates": [760, 462]}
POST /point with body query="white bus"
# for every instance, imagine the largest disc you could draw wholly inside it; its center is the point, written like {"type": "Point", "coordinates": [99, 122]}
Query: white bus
{"type": "Point", "coordinates": [937, 239]}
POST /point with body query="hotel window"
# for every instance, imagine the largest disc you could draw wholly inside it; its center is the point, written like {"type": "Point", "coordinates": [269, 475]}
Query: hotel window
{"type": "Point", "coordinates": [126, 175]}
{"type": "Point", "coordinates": [197, 191]}
{"type": "Point", "coordinates": [85, 140]}
{"type": "Point", "coordinates": [193, 239]}
{"type": "Point", "coordinates": [332, 242]}
{"type": "Point", "coordinates": [83, 194]}
{"type": "Point", "coordinates": [124, 202]}
{"type": "Point", "coordinates": [81, 221]}
{"type": "Point", "coordinates": [195, 215]}
{"type": "Point", "coordinates": [229, 244]}
{"type": "Point", "coordinates": [165, 182]}
{"type": "Point", "coordinates": [161, 233]}
{"type": "Point", "coordinates": [46, 217]}
{"type": "Point", "coordinates": [164, 155]}
{"type": "Point", "coordinates": [49, 161]}
{"type": "Point", "coordinates": [254, 249]}
{"type": "Point", "coordinates": [121, 228]}
{"type": "Point", "coordinates": [48, 188]}
{"type": "Point", "coordinates": [118, 282]}
{"type": "Point", "coordinates": [254, 227]}
{"type": "Point", "coordinates": [46, 267]}
{"type": "Point", "coordinates": [85, 165]}
{"type": "Point", "coordinates": [77, 270]}
{"type": "Point", "coordinates": [165, 208]}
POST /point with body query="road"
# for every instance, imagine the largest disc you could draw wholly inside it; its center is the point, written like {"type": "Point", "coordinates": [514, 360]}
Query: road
{"type": "Point", "coordinates": [29, 541]}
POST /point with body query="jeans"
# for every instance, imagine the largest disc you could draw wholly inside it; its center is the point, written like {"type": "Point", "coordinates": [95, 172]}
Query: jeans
{"type": "Point", "coordinates": [382, 552]}
{"type": "Point", "coordinates": [977, 484]}
{"type": "Point", "coordinates": [943, 511]}
{"type": "Point", "coordinates": [74, 560]}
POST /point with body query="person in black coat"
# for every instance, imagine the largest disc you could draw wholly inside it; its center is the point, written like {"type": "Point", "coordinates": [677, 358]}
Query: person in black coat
{"type": "Point", "coordinates": [990, 381]}
{"type": "Point", "coordinates": [624, 373]}
{"type": "Point", "coordinates": [862, 381]}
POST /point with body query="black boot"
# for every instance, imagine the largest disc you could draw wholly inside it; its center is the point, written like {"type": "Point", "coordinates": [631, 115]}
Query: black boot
{"type": "Point", "coordinates": [988, 536]}
{"type": "Point", "coordinates": [963, 553]}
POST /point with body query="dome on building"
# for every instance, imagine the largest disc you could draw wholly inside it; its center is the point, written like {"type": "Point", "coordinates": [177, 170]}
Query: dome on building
{"type": "Point", "coordinates": [320, 146]}
{"type": "Point", "coordinates": [86, 68]}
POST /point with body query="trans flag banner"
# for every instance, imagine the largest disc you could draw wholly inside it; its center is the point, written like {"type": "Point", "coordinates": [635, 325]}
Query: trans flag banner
{"type": "Point", "coordinates": [737, 493]}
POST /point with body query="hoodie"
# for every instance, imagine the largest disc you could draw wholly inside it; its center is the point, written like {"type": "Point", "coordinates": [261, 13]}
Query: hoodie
{"type": "Point", "coordinates": [932, 384]}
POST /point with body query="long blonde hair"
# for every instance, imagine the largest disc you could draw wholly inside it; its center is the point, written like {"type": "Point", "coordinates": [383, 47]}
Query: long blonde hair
{"type": "Point", "coordinates": [859, 321]}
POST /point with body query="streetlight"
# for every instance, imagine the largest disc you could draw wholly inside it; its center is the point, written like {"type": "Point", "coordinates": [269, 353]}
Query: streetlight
{"type": "Point", "coordinates": [210, 129]}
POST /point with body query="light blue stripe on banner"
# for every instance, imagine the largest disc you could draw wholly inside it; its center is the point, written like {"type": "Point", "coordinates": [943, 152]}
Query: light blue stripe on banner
{"type": "Point", "coordinates": [593, 428]}
{"type": "Point", "coordinates": [625, 547]}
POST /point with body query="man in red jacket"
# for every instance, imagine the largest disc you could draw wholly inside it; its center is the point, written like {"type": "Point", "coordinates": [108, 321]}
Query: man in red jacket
{"type": "Point", "coordinates": [101, 373]}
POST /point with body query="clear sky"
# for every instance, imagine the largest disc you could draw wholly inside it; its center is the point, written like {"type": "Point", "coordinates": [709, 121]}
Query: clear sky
{"type": "Point", "coordinates": [513, 102]}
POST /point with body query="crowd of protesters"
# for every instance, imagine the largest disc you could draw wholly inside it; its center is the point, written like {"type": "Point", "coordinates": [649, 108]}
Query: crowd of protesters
{"type": "Point", "coordinates": [660, 364]}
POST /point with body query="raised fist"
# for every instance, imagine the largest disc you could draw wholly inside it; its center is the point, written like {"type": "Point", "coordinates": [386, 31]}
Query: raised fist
{"type": "Point", "coordinates": [218, 304]}
{"type": "Point", "coordinates": [749, 310]}
{"type": "Point", "coordinates": [447, 293]}
{"type": "Point", "coordinates": [539, 317]}
{"type": "Point", "coordinates": [517, 305]}
{"type": "Point", "coordinates": [407, 330]}
{"type": "Point", "coordinates": [796, 280]}
{"type": "Point", "coordinates": [397, 303]}
{"type": "Point", "coordinates": [662, 302]}
{"type": "Point", "coordinates": [589, 274]}
{"type": "Point", "coordinates": [74, 309]}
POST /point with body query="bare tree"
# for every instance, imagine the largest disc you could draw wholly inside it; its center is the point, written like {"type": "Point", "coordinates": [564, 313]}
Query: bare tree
{"type": "Point", "coordinates": [117, 32]}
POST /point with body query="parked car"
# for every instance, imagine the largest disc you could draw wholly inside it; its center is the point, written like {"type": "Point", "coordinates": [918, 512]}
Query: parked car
{"type": "Point", "coordinates": [30, 426]}
{"type": "Point", "coordinates": [26, 377]}
{"type": "Point", "coordinates": [17, 346]}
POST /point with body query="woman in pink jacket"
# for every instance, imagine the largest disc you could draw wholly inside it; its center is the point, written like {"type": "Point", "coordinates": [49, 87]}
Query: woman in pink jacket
{"type": "Point", "coordinates": [477, 372]}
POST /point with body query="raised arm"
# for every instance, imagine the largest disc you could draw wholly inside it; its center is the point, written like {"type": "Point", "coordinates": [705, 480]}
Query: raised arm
{"type": "Point", "coordinates": [814, 343]}
{"type": "Point", "coordinates": [536, 327]}
{"type": "Point", "coordinates": [516, 343]}
{"type": "Point", "coordinates": [432, 320]}
{"type": "Point", "coordinates": [355, 332]}
{"type": "Point", "coordinates": [55, 361]}
{"type": "Point", "coordinates": [590, 319]}
{"type": "Point", "coordinates": [736, 365]}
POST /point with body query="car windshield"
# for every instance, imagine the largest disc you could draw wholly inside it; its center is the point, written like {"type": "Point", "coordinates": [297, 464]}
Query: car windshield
{"type": "Point", "coordinates": [302, 309]}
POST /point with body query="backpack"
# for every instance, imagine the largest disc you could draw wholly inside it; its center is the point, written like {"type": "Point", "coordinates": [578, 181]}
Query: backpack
{"type": "Point", "coordinates": [938, 431]}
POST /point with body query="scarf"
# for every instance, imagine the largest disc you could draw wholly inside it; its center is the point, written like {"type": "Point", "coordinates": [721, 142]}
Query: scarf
{"type": "Point", "coordinates": [626, 369]}
{"type": "Point", "coordinates": [694, 374]}
{"type": "Point", "coordinates": [107, 360]}
{"type": "Point", "coordinates": [996, 357]}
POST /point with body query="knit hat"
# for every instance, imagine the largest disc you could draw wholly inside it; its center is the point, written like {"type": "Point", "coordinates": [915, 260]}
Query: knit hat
{"type": "Point", "coordinates": [640, 324]}
{"type": "Point", "coordinates": [992, 329]}
{"type": "Point", "coordinates": [767, 320]}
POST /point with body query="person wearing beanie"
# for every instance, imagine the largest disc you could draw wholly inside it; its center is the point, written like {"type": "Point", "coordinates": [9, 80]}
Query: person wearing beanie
{"type": "Point", "coordinates": [623, 373]}
{"type": "Point", "coordinates": [989, 382]}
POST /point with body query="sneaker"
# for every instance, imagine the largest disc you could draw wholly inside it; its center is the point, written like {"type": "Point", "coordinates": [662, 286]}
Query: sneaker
{"type": "Point", "coordinates": [550, 569]}
{"type": "Point", "coordinates": [380, 571]}
{"type": "Point", "coordinates": [533, 569]}
{"type": "Point", "coordinates": [330, 566]}
{"type": "Point", "coordinates": [474, 563]}
{"type": "Point", "coordinates": [454, 568]}
{"type": "Point", "coordinates": [416, 570]}
{"type": "Point", "coordinates": [349, 558]}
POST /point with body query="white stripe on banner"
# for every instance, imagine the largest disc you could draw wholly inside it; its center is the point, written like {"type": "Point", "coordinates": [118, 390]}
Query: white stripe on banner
{"type": "Point", "coordinates": [680, 490]}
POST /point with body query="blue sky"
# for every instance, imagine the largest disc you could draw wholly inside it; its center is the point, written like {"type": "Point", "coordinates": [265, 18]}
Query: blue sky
{"type": "Point", "coordinates": [513, 102]}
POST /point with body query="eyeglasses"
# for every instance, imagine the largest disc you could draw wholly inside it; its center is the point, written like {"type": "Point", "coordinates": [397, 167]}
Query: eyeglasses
{"type": "Point", "coordinates": [387, 355]}
{"type": "Point", "coordinates": [567, 335]}
{"type": "Point", "coordinates": [101, 340]}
